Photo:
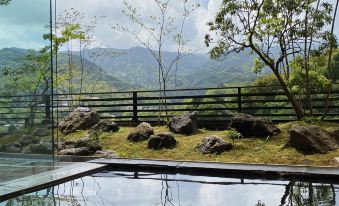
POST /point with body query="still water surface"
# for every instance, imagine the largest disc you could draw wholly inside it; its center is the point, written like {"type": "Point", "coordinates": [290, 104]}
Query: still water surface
{"type": "Point", "coordinates": [127, 188]}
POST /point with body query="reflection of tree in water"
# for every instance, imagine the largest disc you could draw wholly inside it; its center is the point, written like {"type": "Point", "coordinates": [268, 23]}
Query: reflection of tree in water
{"type": "Point", "coordinates": [166, 191]}
{"type": "Point", "coordinates": [45, 198]}
{"type": "Point", "coordinates": [55, 196]}
{"type": "Point", "coordinates": [310, 194]}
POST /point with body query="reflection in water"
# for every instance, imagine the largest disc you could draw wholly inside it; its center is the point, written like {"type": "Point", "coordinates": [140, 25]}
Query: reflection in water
{"type": "Point", "coordinates": [307, 193]}
{"type": "Point", "coordinates": [113, 188]}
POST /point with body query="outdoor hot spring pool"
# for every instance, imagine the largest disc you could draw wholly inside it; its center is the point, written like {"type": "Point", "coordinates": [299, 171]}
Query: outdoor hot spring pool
{"type": "Point", "coordinates": [130, 188]}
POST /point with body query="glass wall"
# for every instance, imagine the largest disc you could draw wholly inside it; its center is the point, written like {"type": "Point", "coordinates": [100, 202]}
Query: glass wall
{"type": "Point", "coordinates": [25, 89]}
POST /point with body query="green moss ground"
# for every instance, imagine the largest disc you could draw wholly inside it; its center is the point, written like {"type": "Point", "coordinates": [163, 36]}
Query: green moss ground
{"type": "Point", "coordinates": [247, 150]}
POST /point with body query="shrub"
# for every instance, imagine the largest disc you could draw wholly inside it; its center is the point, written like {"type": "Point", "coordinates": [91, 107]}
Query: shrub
{"type": "Point", "coordinates": [233, 134]}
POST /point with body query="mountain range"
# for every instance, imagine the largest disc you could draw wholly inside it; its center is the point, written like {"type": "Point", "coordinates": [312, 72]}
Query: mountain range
{"type": "Point", "coordinates": [135, 68]}
{"type": "Point", "coordinates": [138, 67]}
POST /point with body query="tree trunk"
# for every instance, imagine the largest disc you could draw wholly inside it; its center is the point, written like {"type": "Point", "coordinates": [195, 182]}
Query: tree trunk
{"type": "Point", "coordinates": [296, 106]}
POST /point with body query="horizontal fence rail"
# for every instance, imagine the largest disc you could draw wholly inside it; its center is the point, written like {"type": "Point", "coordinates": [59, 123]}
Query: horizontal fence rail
{"type": "Point", "coordinates": [214, 105]}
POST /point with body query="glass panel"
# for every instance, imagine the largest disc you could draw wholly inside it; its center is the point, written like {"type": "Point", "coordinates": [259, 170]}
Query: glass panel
{"type": "Point", "coordinates": [25, 87]}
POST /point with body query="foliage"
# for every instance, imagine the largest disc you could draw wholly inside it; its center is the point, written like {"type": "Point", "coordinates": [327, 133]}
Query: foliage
{"type": "Point", "coordinates": [312, 120]}
{"type": "Point", "coordinates": [32, 78]}
{"type": "Point", "coordinates": [335, 65]}
{"type": "Point", "coordinates": [318, 80]}
{"type": "Point", "coordinates": [276, 31]}
{"type": "Point", "coordinates": [94, 136]}
{"type": "Point", "coordinates": [233, 134]}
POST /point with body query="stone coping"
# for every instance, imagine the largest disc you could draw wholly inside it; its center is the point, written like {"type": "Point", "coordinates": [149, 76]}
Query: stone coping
{"type": "Point", "coordinates": [48, 179]}
{"type": "Point", "coordinates": [251, 171]}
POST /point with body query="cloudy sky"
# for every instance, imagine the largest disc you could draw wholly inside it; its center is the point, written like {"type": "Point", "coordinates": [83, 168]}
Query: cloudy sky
{"type": "Point", "coordinates": [22, 22]}
{"type": "Point", "coordinates": [195, 27]}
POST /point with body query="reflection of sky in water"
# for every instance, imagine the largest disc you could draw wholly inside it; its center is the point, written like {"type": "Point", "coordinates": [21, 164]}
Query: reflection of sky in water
{"type": "Point", "coordinates": [112, 189]}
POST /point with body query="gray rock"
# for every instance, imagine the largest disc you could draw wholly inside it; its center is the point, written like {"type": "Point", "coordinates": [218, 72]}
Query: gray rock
{"type": "Point", "coordinates": [184, 124]}
{"type": "Point", "coordinates": [82, 151]}
{"type": "Point", "coordinates": [77, 147]}
{"type": "Point", "coordinates": [78, 120]}
{"type": "Point", "coordinates": [106, 154]}
{"type": "Point", "coordinates": [213, 145]}
{"type": "Point", "coordinates": [14, 147]}
{"type": "Point", "coordinates": [106, 125]}
{"type": "Point", "coordinates": [159, 141]}
{"type": "Point", "coordinates": [336, 161]}
{"type": "Point", "coordinates": [250, 126]}
{"type": "Point", "coordinates": [41, 132]}
{"type": "Point", "coordinates": [335, 134]}
{"type": "Point", "coordinates": [86, 142]}
{"type": "Point", "coordinates": [66, 145]}
{"type": "Point", "coordinates": [44, 147]}
{"type": "Point", "coordinates": [142, 132]}
{"type": "Point", "coordinates": [27, 139]}
{"type": "Point", "coordinates": [312, 139]}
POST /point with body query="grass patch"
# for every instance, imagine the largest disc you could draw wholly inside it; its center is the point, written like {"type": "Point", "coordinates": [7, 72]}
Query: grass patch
{"type": "Point", "coordinates": [247, 150]}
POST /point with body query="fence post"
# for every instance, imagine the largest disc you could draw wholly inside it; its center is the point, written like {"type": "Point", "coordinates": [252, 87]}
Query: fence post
{"type": "Point", "coordinates": [26, 122]}
{"type": "Point", "coordinates": [135, 108]}
{"type": "Point", "coordinates": [47, 107]}
{"type": "Point", "coordinates": [239, 100]}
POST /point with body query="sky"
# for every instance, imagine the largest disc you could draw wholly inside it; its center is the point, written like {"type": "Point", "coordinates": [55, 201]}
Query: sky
{"type": "Point", "coordinates": [22, 22]}
{"type": "Point", "coordinates": [194, 30]}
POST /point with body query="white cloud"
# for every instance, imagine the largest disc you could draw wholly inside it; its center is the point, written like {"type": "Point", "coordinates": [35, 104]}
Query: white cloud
{"type": "Point", "coordinates": [194, 31]}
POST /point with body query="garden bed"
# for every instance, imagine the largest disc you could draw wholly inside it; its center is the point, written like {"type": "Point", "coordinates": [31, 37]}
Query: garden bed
{"type": "Point", "coordinates": [270, 150]}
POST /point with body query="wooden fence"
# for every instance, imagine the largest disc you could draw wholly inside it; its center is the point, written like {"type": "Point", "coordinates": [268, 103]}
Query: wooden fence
{"type": "Point", "coordinates": [214, 105]}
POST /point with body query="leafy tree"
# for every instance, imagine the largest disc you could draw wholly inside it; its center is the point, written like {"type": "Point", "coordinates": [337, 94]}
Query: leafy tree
{"type": "Point", "coordinates": [276, 31]}
{"type": "Point", "coordinates": [32, 78]}
{"type": "Point", "coordinates": [317, 74]}
{"type": "Point", "coordinates": [158, 30]}
{"type": "Point", "coordinates": [72, 32]}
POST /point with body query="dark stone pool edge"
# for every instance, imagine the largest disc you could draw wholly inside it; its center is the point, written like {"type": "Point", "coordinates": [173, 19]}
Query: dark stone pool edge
{"type": "Point", "coordinates": [229, 170]}
{"type": "Point", "coordinates": [45, 180]}
{"type": "Point", "coordinates": [236, 170]}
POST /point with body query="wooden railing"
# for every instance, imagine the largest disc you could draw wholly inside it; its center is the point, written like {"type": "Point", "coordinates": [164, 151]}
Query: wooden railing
{"type": "Point", "coordinates": [214, 105]}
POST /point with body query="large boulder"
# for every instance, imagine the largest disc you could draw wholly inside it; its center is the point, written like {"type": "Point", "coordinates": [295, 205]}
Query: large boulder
{"type": "Point", "coordinates": [43, 147]}
{"type": "Point", "coordinates": [106, 125]}
{"type": "Point", "coordinates": [159, 141]}
{"type": "Point", "coordinates": [81, 151]}
{"type": "Point", "coordinates": [83, 146]}
{"type": "Point", "coordinates": [184, 124]}
{"type": "Point", "coordinates": [142, 132]}
{"type": "Point", "coordinates": [250, 126]}
{"type": "Point", "coordinates": [78, 120]}
{"type": "Point", "coordinates": [312, 139]}
{"type": "Point", "coordinates": [213, 145]}
{"type": "Point", "coordinates": [92, 146]}
{"type": "Point", "coordinates": [27, 139]}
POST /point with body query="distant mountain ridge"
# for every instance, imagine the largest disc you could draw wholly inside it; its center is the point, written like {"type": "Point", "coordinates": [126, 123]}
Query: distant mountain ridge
{"type": "Point", "coordinates": [136, 66]}
{"type": "Point", "coordinates": [14, 57]}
